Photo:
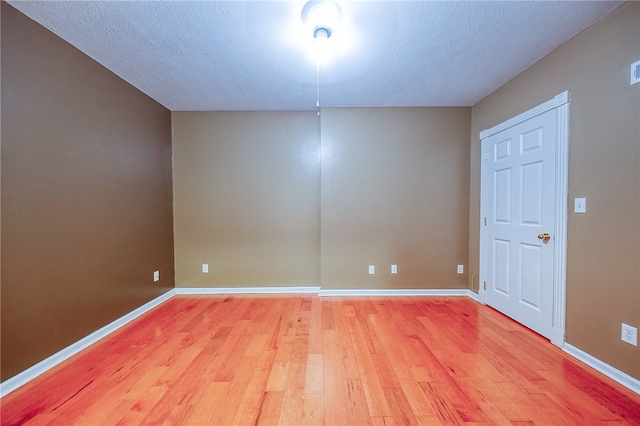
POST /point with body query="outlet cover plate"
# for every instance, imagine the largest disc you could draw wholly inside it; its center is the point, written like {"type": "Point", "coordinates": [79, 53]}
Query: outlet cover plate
{"type": "Point", "coordinates": [394, 269]}
{"type": "Point", "coordinates": [461, 269]}
{"type": "Point", "coordinates": [629, 334]}
{"type": "Point", "coordinates": [205, 268]}
{"type": "Point", "coordinates": [372, 269]}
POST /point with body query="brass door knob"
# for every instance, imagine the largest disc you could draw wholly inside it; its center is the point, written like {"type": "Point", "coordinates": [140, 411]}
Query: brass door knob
{"type": "Point", "coordinates": [544, 237]}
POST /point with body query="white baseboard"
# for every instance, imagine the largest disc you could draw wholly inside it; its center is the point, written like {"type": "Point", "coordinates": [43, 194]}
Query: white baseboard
{"type": "Point", "coordinates": [247, 290]}
{"type": "Point", "coordinates": [397, 292]}
{"type": "Point", "coordinates": [320, 292]}
{"type": "Point", "coordinates": [613, 373]}
{"type": "Point", "coordinates": [31, 373]}
{"type": "Point", "coordinates": [473, 295]}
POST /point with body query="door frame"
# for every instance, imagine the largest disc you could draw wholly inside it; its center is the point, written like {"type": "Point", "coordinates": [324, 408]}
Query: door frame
{"type": "Point", "coordinates": [561, 104]}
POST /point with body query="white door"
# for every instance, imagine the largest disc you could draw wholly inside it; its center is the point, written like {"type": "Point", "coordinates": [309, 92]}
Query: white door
{"type": "Point", "coordinates": [519, 178]}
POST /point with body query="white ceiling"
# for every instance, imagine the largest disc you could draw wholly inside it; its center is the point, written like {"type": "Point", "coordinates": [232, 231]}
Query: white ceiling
{"type": "Point", "coordinates": [252, 55]}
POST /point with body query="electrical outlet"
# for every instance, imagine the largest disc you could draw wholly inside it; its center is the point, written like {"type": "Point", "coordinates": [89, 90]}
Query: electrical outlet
{"type": "Point", "coordinates": [461, 269]}
{"type": "Point", "coordinates": [205, 268]}
{"type": "Point", "coordinates": [629, 334]}
{"type": "Point", "coordinates": [156, 276]}
{"type": "Point", "coordinates": [394, 269]}
{"type": "Point", "coordinates": [372, 269]}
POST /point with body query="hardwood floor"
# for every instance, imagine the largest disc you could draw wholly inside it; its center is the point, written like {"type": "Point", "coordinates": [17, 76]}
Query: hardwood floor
{"type": "Point", "coordinates": [305, 360]}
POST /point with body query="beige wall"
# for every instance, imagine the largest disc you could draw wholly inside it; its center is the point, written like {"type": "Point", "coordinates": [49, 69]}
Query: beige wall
{"type": "Point", "coordinates": [86, 195]}
{"type": "Point", "coordinates": [247, 198]}
{"type": "Point", "coordinates": [250, 199]}
{"type": "Point", "coordinates": [603, 272]}
{"type": "Point", "coordinates": [395, 190]}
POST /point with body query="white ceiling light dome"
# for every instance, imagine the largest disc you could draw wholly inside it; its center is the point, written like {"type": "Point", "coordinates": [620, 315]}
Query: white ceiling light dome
{"type": "Point", "coordinates": [321, 17]}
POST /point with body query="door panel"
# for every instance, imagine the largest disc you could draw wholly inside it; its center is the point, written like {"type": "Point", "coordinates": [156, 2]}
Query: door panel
{"type": "Point", "coordinates": [531, 194]}
{"type": "Point", "coordinates": [531, 258]}
{"type": "Point", "coordinates": [502, 266]}
{"type": "Point", "coordinates": [502, 198]}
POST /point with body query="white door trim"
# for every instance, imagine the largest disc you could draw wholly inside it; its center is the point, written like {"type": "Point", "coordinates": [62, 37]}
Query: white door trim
{"type": "Point", "coordinates": [561, 104]}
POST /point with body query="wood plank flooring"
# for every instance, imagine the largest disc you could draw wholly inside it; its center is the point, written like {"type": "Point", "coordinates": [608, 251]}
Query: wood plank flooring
{"type": "Point", "coordinates": [305, 360]}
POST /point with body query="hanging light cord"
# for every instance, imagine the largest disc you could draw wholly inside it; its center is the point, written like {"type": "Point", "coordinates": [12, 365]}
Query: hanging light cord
{"type": "Point", "coordinates": [318, 87]}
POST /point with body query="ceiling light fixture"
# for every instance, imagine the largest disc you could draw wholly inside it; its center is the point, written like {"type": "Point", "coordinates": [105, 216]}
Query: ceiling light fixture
{"type": "Point", "coordinates": [321, 17]}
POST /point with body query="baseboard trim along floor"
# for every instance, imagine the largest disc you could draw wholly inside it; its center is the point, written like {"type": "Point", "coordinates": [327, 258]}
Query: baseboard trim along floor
{"type": "Point", "coordinates": [46, 364]}
{"type": "Point", "coordinates": [613, 373]}
{"type": "Point", "coordinates": [247, 290]}
{"type": "Point", "coordinates": [31, 373]}
{"type": "Point", "coordinates": [396, 292]}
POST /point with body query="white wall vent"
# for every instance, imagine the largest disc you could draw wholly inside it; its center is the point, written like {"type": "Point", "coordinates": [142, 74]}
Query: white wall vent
{"type": "Point", "coordinates": [635, 72]}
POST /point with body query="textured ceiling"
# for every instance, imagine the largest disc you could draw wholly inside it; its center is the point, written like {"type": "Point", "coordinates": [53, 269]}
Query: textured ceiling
{"type": "Point", "coordinates": [253, 55]}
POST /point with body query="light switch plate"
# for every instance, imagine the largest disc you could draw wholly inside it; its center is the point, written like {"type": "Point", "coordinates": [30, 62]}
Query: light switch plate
{"type": "Point", "coordinates": [580, 205]}
{"type": "Point", "coordinates": [372, 269]}
{"type": "Point", "coordinates": [635, 72]}
{"type": "Point", "coordinates": [205, 268]}
{"type": "Point", "coordinates": [156, 276]}
{"type": "Point", "coordinates": [394, 269]}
